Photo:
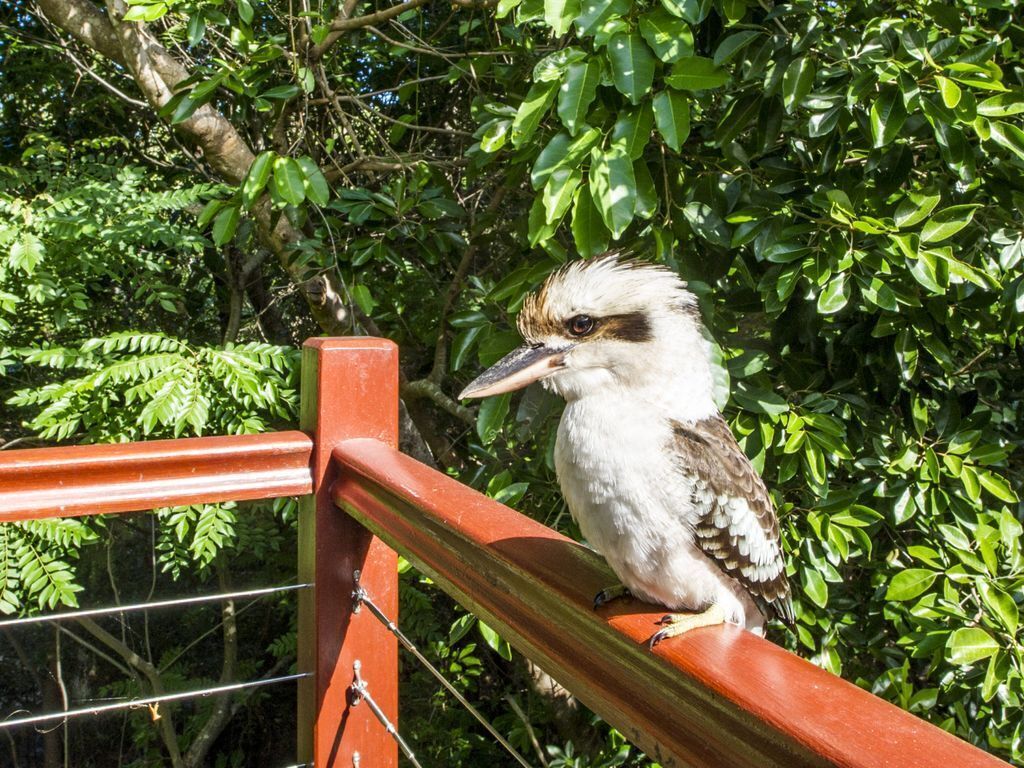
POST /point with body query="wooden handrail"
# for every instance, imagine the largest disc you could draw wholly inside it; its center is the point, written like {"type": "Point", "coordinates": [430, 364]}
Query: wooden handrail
{"type": "Point", "coordinates": [125, 477]}
{"type": "Point", "coordinates": [718, 696]}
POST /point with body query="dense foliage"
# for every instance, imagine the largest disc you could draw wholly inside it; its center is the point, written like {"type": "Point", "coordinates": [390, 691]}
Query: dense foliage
{"type": "Point", "coordinates": [841, 184]}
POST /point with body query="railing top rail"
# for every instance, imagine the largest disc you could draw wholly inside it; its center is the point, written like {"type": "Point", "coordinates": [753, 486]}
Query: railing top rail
{"type": "Point", "coordinates": [714, 697]}
{"type": "Point", "coordinates": [125, 477]}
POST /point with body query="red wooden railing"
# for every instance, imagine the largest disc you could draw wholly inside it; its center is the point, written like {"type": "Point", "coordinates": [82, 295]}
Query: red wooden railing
{"type": "Point", "coordinates": [717, 696]}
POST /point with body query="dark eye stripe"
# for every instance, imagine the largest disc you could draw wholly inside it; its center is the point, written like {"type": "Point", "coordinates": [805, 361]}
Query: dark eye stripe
{"type": "Point", "coordinates": [633, 326]}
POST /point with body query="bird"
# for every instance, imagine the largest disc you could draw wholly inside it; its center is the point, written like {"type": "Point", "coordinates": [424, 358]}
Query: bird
{"type": "Point", "coordinates": [647, 465]}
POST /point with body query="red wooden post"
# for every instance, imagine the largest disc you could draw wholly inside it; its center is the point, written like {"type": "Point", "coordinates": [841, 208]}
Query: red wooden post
{"type": "Point", "coordinates": [349, 389]}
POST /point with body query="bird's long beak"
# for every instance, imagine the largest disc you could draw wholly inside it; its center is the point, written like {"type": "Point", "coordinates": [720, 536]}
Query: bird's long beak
{"type": "Point", "coordinates": [516, 370]}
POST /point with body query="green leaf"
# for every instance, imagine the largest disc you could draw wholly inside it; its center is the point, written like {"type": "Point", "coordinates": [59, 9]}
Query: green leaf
{"type": "Point", "coordinates": [797, 82]}
{"type": "Point", "coordinates": [634, 127]}
{"type": "Point", "coordinates": [553, 66]}
{"type": "Point", "coordinates": [577, 93]}
{"type": "Point", "coordinates": [969, 645]}
{"type": "Point", "coordinates": [491, 416]}
{"type": "Point", "coordinates": [997, 486]}
{"type": "Point", "coordinates": [588, 230]}
{"type": "Point", "coordinates": [596, 12]}
{"type": "Point", "coordinates": [1001, 605]}
{"type": "Point", "coordinates": [257, 178]}
{"type": "Point", "coordinates": [632, 65]}
{"type": "Point", "coordinates": [835, 295]}
{"type": "Point", "coordinates": [732, 45]}
{"type": "Point", "coordinates": [225, 224]}
{"type": "Point", "coordinates": [696, 73]}
{"type": "Point", "coordinates": [672, 114]}
{"type": "Point", "coordinates": [647, 199]}
{"type": "Point", "coordinates": [281, 92]}
{"type": "Point", "coordinates": [1002, 105]}
{"type": "Point", "coordinates": [289, 180]}
{"type": "Point", "coordinates": [1009, 136]}
{"type": "Point", "coordinates": [244, 11]}
{"type": "Point", "coordinates": [363, 298]}
{"type": "Point", "coordinates": [908, 584]}
{"type": "Point", "coordinates": [887, 117]}
{"type": "Point", "coordinates": [27, 252]}
{"type": "Point", "coordinates": [559, 191]}
{"type": "Point", "coordinates": [947, 223]}
{"type": "Point", "coordinates": [559, 14]}
{"type": "Point", "coordinates": [692, 11]}
{"type": "Point", "coordinates": [531, 111]}
{"type": "Point", "coordinates": [814, 586]}
{"type": "Point", "coordinates": [669, 37]}
{"type": "Point", "coordinates": [949, 91]}
{"type": "Point", "coordinates": [315, 183]}
{"type": "Point", "coordinates": [915, 208]}
{"type": "Point", "coordinates": [495, 135]}
{"type": "Point", "coordinates": [613, 186]}
{"type": "Point", "coordinates": [759, 400]}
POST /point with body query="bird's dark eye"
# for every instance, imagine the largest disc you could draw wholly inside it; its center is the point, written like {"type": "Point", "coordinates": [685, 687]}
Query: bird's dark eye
{"type": "Point", "coordinates": [581, 325]}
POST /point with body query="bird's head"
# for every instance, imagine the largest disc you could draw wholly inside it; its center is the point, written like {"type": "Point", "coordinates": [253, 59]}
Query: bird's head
{"type": "Point", "coordinates": [604, 324]}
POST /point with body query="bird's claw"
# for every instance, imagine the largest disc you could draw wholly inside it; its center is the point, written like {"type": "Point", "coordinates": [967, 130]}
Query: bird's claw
{"type": "Point", "coordinates": [608, 594]}
{"type": "Point", "coordinates": [679, 623]}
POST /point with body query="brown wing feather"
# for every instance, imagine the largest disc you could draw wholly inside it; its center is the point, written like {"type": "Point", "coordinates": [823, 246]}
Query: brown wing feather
{"type": "Point", "coordinates": [738, 531]}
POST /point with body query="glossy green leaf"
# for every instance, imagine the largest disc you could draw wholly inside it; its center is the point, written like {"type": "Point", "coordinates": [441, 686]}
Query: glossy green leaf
{"type": "Point", "coordinates": [315, 183]}
{"type": "Point", "coordinates": [559, 14]}
{"type": "Point", "coordinates": [532, 110]}
{"type": "Point", "coordinates": [731, 46]}
{"type": "Point", "coordinates": [815, 587]}
{"type": "Point", "coordinates": [632, 65]}
{"type": "Point", "coordinates": [947, 222]}
{"type": "Point", "coordinates": [887, 117]}
{"type": "Point", "coordinates": [997, 486]}
{"type": "Point", "coordinates": [595, 13]}
{"type": "Point", "coordinates": [634, 128]}
{"type": "Point", "coordinates": [915, 208]}
{"type": "Point", "coordinates": [691, 11]}
{"type": "Point", "coordinates": [672, 115]}
{"type": "Point", "coordinates": [225, 224]}
{"type": "Point", "coordinates": [797, 82]}
{"type": "Point", "coordinates": [696, 73]}
{"type": "Point", "coordinates": [559, 191]}
{"type": "Point", "coordinates": [1009, 136]}
{"type": "Point", "coordinates": [289, 181]}
{"type": "Point", "coordinates": [554, 65]}
{"type": "Point", "coordinates": [1002, 105]}
{"type": "Point", "coordinates": [257, 178]}
{"type": "Point", "coordinates": [668, 36]}
{"type": "Point", "coordinates": [647, 200]}
{"type": "Point", "coordinates": [835, 295]}
{"type": "Point", "coordinates": [491, 416]}
{"type": "Point", "coordinates": [589, 233]}
{"type": "Point", "coordinates": [969, 645]}
{"type": "Point", "coordinates": [496, 135]}
{"type": "Point", "coordinates": [1001, 604]}
{"type": "Point", "coordinates": [613, 186]}
{"type": "Point", "coordinates": [577, 92]}
{"type": "Point", "coordinates": [910, 583]}
{"type": "Point", "coordinates": [949, 91]}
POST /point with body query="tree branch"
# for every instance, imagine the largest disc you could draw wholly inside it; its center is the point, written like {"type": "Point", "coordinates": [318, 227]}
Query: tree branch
{"type": "Point", "coordinates": [344, 22]}
{"type": "Point", "coordinates": [136, 662]}
{"type": "Point", "coordinates": [222, 709]}
{"type": "Point", "coordinates": [86, 23]}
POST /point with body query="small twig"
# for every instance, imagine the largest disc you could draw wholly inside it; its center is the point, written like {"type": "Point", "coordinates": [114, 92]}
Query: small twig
{"type": "Point", "coordinates": [425, 388]}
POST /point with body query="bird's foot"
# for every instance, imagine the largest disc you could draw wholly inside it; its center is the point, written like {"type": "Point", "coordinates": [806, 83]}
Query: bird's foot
{"type": "Point", "coordinates": [611, 593]}
{"type": "Point", "coordinates": [675, 624]}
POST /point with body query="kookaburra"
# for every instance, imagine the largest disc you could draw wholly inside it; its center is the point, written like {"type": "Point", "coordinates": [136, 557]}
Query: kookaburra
{"type": "Point", "coordinates": [647, 465]}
